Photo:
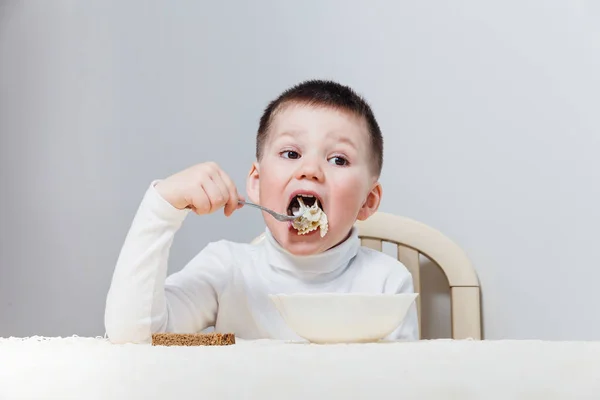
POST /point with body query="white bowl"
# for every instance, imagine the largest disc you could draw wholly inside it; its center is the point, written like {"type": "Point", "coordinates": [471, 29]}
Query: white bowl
{"type": "Point", "coordinates": [343, 317]}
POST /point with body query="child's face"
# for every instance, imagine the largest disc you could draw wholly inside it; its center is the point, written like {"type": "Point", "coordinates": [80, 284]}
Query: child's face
{"type": "Point", "coordinates": [316, 150]}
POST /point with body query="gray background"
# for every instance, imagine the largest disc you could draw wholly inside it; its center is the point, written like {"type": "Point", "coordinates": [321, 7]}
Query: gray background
{"type": "Point", "coordinates": [489, 111]}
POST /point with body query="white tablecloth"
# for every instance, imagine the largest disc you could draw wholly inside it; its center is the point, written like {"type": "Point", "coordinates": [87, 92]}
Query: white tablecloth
{"type": "Point", "coordinates": [93, 368]}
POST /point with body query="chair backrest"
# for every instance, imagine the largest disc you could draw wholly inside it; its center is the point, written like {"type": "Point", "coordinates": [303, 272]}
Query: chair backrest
{"type": "Point", "coordinates": [413, 239]}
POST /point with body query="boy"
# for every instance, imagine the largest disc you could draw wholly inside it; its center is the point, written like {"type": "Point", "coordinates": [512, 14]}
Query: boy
{"type": "Point", "coordinates": [319, 147]}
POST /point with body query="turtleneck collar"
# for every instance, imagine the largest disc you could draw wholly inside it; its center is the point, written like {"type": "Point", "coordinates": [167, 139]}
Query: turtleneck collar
{"type": "Point", "coordinates": [329, 262]}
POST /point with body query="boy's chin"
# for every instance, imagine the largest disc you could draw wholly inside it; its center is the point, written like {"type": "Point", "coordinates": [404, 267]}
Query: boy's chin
{"type": "Point", "coordinates": [301, 245]}
{"type": "Point", "coordinates": [304, 248]}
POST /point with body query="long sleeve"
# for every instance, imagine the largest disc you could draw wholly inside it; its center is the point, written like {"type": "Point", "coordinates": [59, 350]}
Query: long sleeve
{"type": "Point", "coordinates": [141, 299]}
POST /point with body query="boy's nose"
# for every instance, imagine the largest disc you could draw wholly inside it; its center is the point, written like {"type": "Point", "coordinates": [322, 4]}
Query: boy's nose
{"type": "Point", "coordinates": [310, 170]}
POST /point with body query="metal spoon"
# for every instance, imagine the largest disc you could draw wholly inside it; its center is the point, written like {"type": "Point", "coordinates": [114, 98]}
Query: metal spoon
{"type": "Point", "coordinates": [277, 216]}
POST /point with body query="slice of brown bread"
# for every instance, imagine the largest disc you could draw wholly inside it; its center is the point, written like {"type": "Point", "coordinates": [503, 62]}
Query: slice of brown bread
{"type": "Point", "coordinates": [193, 339]}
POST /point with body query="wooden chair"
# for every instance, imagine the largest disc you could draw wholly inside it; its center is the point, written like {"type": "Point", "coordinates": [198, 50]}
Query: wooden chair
{"type": "Point", "coordinates": [412, 239]}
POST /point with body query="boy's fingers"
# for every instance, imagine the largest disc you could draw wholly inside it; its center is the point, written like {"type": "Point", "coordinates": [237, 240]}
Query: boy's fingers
{"type": "Point", "coordinates": [235, 207]}
{"type": "Point", "coordinates": [222, 189]}
{"type": "Point", "coordinates": [233, 194]}
{"type": "Point", "coordinates": [215, 197]}
{"type": "Point", "coordinates": [230, 197]}
{"type": "Point", "coordinates": [234, 197]}
{"type": "Point", "coordinates": [231, 206]}
{"type": "Point", "coordinates": [200, 202]}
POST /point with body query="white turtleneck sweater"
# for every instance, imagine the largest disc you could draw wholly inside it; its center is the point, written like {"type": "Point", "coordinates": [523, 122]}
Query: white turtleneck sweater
{"type": "Point", "coordinates": [227, 284]}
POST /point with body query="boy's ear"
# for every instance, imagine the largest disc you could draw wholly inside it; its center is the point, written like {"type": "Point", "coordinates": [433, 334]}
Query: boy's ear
{"type": "Point", "coordinates": [252, 184]}
{"type": "Point", "coordinates": [371, 203]}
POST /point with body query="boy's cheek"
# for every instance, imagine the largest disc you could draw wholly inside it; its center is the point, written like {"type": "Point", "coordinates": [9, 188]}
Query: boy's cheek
{"type": "Point", "coordinates": [348, 192]}
{"type": "Point", "coordinates": [345, 205]}
{"type": "Point", "coordinates": [270, 196]}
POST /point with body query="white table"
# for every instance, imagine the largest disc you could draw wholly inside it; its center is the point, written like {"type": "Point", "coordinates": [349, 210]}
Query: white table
{"type": "Point", "coordinates": [93, 368]}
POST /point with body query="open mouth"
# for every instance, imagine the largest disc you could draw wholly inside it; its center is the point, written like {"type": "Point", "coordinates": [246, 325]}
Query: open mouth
{"type": "Point", "coordinates": [309, 214]}
{"type": "Point", "coordinates": [308, 200]}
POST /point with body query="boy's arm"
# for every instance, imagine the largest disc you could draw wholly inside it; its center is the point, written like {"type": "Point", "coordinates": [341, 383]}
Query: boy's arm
{"type": "Point", "coordinates": [139, 302]}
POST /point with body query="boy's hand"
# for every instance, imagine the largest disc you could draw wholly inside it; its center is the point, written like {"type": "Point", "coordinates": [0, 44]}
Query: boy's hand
{"type": "Point", "coordinates": [204, 188]}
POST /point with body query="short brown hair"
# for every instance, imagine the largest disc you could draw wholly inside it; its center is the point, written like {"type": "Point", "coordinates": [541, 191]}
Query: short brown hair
{"type": "Point", "coordinates": [326, 94]}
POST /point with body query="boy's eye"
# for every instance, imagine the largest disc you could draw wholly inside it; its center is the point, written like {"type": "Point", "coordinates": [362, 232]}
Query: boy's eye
{"type": "Point", "coordinates": [290, 154]}
{"type": "Point", "coordinates": [337, 160]}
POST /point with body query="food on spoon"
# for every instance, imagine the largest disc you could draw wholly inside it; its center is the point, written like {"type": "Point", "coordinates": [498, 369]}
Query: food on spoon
{"type": "Point", "coordinates": [308, 217]}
